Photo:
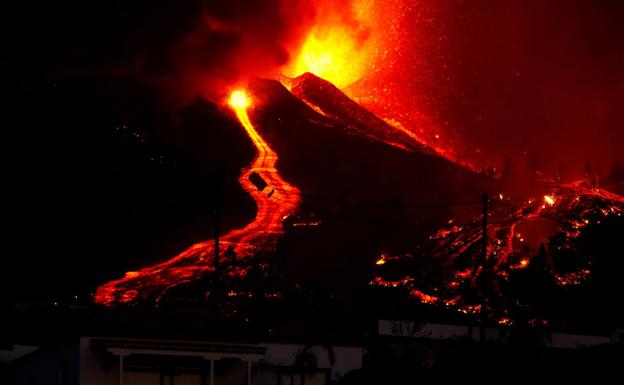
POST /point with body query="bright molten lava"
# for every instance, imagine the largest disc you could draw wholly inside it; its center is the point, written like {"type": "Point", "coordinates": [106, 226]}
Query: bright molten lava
{"type": "Point", "coordinates": [329, 54]}
{"type": "Point", "coordinates": [554, 222]}
{"type": "Point", "coordinates": [239, 100]}
{"type": "Point", "coordinates": [342, 47]}
{"type": "Point", "coordinates": [276, 199]}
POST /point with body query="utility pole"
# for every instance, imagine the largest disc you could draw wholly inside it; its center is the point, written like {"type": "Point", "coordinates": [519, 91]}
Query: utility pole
{"type": "Point", "coordinates": [218, 192]}
{"type": "Point", "coordinates": [217, 222]}
{"type": "Point", "coordinates": [483, 277]}
{"type": "Point", "coordinates": [219, 181]}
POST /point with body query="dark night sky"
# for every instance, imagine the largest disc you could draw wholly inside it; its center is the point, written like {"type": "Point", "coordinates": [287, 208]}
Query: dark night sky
{"type": "Point", "coordinates": [543, 77]}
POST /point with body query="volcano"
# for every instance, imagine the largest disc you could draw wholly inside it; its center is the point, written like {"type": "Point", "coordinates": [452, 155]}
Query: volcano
{"type": "Point", "coordinates": [339, 190]}
{"type": "Point", "coordinates": [332, 149]}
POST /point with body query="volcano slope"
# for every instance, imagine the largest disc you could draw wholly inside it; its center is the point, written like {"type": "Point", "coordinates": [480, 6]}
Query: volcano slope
{"type": "Point", "coordinates": [360, 196]}
{"type": "Point", "coordinates": [373, 201]}
{"type": "Point", "coordinates": [375, 197]}
{"type": "Point", "coordinates": [547, 258]}
{"type": "Point", "coordinates": [128, 182]}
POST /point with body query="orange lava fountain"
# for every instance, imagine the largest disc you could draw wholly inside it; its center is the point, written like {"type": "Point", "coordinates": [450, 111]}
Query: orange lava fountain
{"type": "Point", "coordinates": [343, 48]}
{"type": "Point", "coordinates": [276, 201]}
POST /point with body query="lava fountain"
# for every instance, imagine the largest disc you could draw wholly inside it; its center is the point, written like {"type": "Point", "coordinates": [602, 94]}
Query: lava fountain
{"type": "Point", "coordinates": [275, 198]}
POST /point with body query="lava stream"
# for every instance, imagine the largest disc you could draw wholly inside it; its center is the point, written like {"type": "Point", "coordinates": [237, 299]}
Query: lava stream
{"type": "Point", "coordinates": [276, 201]}
{"type": "Point", "coordinates": [571, 207]}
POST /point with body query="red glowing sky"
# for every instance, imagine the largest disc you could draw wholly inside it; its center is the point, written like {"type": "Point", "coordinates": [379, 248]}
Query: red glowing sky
{"type": "Point", "coordinates": [508, 78]}
{"type": "Point", "coordinates": [541, 77]}
{"type": "Point", "coordinates": [487, 78]}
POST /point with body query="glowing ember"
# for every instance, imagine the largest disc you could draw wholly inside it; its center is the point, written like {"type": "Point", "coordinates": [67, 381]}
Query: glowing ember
{"type": "Point", "coordinates": [549, 199]}
{"type": "Point", "coordinates": [424, 298]}
{"type": "Point", "coordinates": [275, 202]}
{"type": "Point", "coordinates": [505, 321]}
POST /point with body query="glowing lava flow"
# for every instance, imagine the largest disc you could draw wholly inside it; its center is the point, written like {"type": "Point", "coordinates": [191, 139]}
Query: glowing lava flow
{"type": "Point", "coordinates": [569, 208]}
{"type": "Point", "coordinates": [276, 200]}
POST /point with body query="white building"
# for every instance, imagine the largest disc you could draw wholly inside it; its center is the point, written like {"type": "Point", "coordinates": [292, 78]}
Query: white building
{"type": "Point", "coordinates": [112, 361]}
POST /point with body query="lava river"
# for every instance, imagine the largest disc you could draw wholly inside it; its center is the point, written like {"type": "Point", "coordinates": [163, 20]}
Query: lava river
{"type": "Point", "coordinates": [569, 209]}
{"type": "Point", "coordinates": [275, 201]}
